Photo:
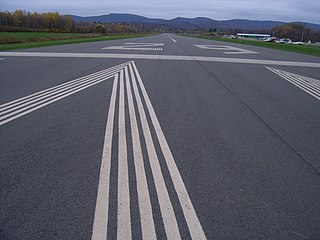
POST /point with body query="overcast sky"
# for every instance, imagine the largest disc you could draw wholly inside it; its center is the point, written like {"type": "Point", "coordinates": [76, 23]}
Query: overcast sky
{"type": "Point", "coordinates": [282, 10]}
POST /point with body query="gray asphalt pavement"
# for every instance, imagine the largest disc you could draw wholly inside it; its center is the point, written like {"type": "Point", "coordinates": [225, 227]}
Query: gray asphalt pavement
{"type": "Point", "coordinates": [117, 139]}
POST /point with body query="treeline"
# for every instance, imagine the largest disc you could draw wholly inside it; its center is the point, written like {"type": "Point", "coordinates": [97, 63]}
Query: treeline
{"type": "Point", "coordinates": [20, 20]}
{"type": "Point", "coordinates": [51, 21]}
{"type": "Point", "coordinates": [296, 32]}
{"type": "Point", "coordinates": [116, 28]}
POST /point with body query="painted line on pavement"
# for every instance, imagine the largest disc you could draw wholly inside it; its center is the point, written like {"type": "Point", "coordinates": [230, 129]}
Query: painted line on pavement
{"type": "Point", "coordinates": [145, 208]}
{"type": "Point", "coordinates": [166, 208]}
{"type": "Point", "coordinates": [137, 46]}
{"type": "Point", "coordinates": [22, 106]}
{"type": "Point", "coordinates": [45, 97]}
{"type": "Point", "coordinates": [131, 88]}
{"type": "Point", "coordinates": [100, 222]}
{"type": "Point", "coordinates": [232, 50]}
{"type": "Point", "coordinates": [41, 93]}
{"type": "Point", "coordinates": [190, 215]}
{"type": "Point", "coordinates": [308, 87]}
{"type": "Point", "coordinates": [124, 219]}
{"type": "Point", "coordinates": [162, 57]}
{"type": "Point", "coordinates": [172, 38]}
{"type": "Point", "coordinates": [142, 49]}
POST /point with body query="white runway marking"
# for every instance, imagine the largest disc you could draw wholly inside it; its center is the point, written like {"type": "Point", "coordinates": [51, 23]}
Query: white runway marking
{"type": "Point", "coordinates": [137, 46]}
{"type": "Point", "coordinates": [1, 59]}
{"type": "Point", "coordinates": [172, 38]}
{"type": "Point", "coordinates": [162, 57]}
{"type": "Point", "coordinates": [133, 83]}
{"type": "Point", "coordinates": [190, 215]}
{"type": "Point", "coordinates": [100, 223]}
{"type": "Point", "coordinates": [25, 105]}
{"type": "Point", "coordinates": [307, 86]}
{"type": "Point", "coordinates": [167, 212]}
{"type": "Point", "coordinates": [228, 49]}
{"type": "Point", "coordinates": [124, 219]}
{"type": "Point", "coordinates": [145, 208]}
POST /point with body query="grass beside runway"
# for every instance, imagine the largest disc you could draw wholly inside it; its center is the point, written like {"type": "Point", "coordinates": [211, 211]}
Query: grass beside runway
{"type": "Point", "coordinates": [21, 40]}
{"type": "Point", "coordinates": [305, 49]}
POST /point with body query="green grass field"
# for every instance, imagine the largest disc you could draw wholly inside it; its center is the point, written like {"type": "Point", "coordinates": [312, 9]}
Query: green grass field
{"type": "Point", "coordinates": [305, 49]}
{"type": "Point", "coordinates": [20, 40]}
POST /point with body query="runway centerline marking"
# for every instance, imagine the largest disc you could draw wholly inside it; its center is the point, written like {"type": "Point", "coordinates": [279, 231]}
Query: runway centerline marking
{"type": "Point", "coordinates": [133, 83]}
{"type": "Point", "coordinates": [162, 57]}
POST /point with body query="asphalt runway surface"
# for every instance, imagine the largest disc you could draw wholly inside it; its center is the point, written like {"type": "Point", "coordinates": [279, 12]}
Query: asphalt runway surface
{"type": "Point", "coordinates": [161, 137]}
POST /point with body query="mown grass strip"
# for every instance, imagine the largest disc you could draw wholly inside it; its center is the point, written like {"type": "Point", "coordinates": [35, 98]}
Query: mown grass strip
{"type": "Point", "coordinates": [40, 39]}
{"type": "Point", "coordinates": [304, 49]}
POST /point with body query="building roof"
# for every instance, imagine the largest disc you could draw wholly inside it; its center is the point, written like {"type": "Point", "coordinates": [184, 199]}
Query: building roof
{"type": "Point", "coordinates": [253, 34]}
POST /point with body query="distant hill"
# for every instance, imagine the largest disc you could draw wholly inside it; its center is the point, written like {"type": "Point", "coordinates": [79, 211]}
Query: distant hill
{"type": "Point", "coordinates": [189, 23]}
{"type": "Point", "coordinates": [115, 18]}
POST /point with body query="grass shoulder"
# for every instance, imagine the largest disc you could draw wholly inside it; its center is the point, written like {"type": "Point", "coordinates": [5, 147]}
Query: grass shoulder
{"type": "Point", "coordinates": [21, 40]}
{"type": "Point", "coordinates": [313, 50]}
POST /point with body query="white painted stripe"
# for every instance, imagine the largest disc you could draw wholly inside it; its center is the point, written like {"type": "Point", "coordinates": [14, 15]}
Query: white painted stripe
{"type": "Point", "coordinates": [46, 103]}
{"type": "Point", "coordinates": [297, 84]}
{"type": "Point", "coordinates": [145, 209]}
{"type": "Point", "coordinates": [168, 216]}
{"type": "Point", "coordinates": [100, 222]}
{"type": "Point", "coordinates": [303, 84]}
{"type": "Point", "coordinates": [310, 85]}
{"type": "Point", "coordinates": [173, 40]}
{"type": "Point", "coordinates": [192, 220]}
{"type": "Point", "coordinates": [118, 67]}
{"type": "Point", "coordinates": [305, 88]}
{"type": "Point", "coordinates": [310, 80]}
{"type": "Point", "coordinates": [57, 96]}
{"type": "Point", "coordinates": [145, 49]}
{"type": "Point", "coordinates": [162, 57]}
{"type": "Point", "coordinates": [1, 59]}
{"type": "Point", "coordinates": [124, 219]}
{"type": "Point", "coordinates": [46, 95]}
{"type": "Point", "coordinates": [242, 52]}
{"type": "Point", "coordinates": [146, 44]}
{"type": "Point", "coordinates": [132, 48]}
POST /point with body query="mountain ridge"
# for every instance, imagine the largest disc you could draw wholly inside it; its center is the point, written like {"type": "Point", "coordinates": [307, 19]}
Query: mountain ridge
{"type": "Point", "coordinates": [190, 23]}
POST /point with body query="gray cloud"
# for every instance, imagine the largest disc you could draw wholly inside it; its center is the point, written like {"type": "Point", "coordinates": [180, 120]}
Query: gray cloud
{"type": "Point", "coordinates": [282, 10]}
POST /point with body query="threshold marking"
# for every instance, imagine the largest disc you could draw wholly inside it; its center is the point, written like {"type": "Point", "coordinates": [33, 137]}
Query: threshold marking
{"type": "Point", "coordinates": [161, 57]}
{"type": "Point", "coordinates": [299, 81]}
{"type": "Point", "coordinates": [134, 91]}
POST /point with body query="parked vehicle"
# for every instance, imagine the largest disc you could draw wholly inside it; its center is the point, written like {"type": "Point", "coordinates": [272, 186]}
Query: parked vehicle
{"type": "Point", "coordinates": [270, 39]}
{"type": "Point", "coordinates": [285, 40]}
{"type": "Point", "coordinates": [298, 43]}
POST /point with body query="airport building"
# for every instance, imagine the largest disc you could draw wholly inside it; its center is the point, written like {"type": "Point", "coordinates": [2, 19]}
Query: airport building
{"type": "Point", "coordinates": [257, 36]}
